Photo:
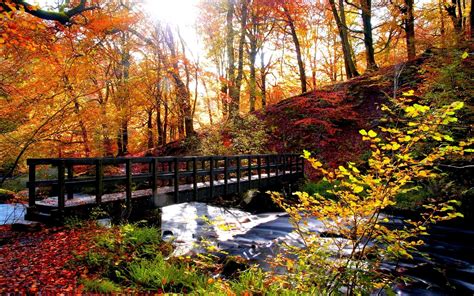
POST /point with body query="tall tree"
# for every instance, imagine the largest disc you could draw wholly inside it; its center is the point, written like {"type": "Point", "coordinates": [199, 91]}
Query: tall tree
{"type": "Point", "coordinates": [235, 104]}
{"type": "Point", "coordinates": [340, 18]}
{"type": "Point", "coordinates": [183, 95]}
{"type": "Point", "coordinates": [231, 86]}
{"type": "Point", "coordinates": [365, 8]}
{"type": "Point", "coordinates": [291, 24]}
{"type": "Point", "coordinates": [409, 27]}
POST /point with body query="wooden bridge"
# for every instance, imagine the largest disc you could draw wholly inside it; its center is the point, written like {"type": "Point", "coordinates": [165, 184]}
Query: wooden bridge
{"type": "Point", "coordinates": [84, 183]}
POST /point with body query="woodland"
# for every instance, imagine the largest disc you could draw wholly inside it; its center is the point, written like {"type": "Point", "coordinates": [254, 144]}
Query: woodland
{"type": "Point", "coordinates": [376, 96]}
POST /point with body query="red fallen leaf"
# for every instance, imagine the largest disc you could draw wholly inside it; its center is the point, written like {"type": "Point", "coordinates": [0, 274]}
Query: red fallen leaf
{"type": "Point", "coordinates": [37, 262]}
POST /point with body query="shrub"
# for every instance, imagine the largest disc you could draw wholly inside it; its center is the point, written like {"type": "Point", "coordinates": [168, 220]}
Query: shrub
{"type": "Point", "coordinates": [400, 157]}
{"type": "Point", "coordinates": [244, 135]}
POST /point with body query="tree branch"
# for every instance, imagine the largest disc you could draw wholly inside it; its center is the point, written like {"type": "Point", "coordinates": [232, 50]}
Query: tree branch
{"type": "Point", "coordinates": [63, 17]}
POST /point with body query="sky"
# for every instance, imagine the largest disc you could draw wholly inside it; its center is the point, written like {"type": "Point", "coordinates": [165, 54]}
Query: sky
{"type": "Point", "coordinates": [180, 13]}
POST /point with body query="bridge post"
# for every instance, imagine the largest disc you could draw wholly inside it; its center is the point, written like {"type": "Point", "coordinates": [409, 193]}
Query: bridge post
{"type": "Point", "coordinates": [188, 168]}
{"type": "Point", "coordinates": [211, 178]}
{"type": "Point", "coordinates": [61, 201]}
{"type": "Point", "coordinates": [31, 185]}
{"type": "Point", "coordinates": [259, 169]}
{"type": "Point", "coordinates": [249, 171]}
{"type": "Point", "coordinates": [283, 164]}
{"type": "Point", "coordinates": [128, 183]}
{"type": "Point", "coordinates": [195, 177]}
{"type": "Point", "coordinates": [154, 181]}
{"type": "Point", "coordinates": [267, 168]}
{"type": "Point", "coordinates": [203, 167]}
{"type": "Point", "coordinates": [226, 174]}
{"type": "Point", "coordinates": [99, 184]}
{"type": "Point", "coordinates": [238, 175]}
{"type": "Point", "coordinates": [70, 177]}
{"type": "Point", "coordinates": [170, 182]}
{"type": "Point", "coordinates": [291, 164]}
{"type": "Point", "coordinates": [276, 163]}
{"type": "Point", "coordinates": [176, 180]}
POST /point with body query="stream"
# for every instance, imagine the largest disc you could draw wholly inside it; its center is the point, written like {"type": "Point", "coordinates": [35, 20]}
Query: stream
{"type": "Point", "coordinates": [448, 268]}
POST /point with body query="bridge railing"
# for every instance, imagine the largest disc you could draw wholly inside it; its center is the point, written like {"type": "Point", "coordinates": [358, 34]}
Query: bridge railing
{"type": "Point", "coordinates": [99, 176]}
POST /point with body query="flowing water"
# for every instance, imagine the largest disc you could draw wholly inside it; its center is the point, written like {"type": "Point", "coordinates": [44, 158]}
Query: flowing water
{"type": "Point", "coordinates": [447, 268]}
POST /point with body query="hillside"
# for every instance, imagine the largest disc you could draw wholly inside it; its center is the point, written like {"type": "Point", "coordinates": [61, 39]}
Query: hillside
{"type": "Point", "coordinates": [327, 121]}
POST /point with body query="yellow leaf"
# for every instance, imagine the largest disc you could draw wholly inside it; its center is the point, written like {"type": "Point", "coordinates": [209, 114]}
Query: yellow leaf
{"type": "Point", "coordinates": [448, 138]}
{"type": "Point", "coordinates": [457, 105]}
{"type": "Point", "coordinates": [464, 55]}
{"type": "Point", "coordinates": [395, 146]}
{"type": "Point", "coordinates": [372, 134]}
{"type": "Point", "coordinates": [358, 189]}
{"type": "Point", "coordinates": [363, 132]}
{"type": "Point", "coordinates": [409, 93]}
{"type": "Point", "coordinates": [306, 154]}
{"type": "Point", "coordinates": [317, 164]}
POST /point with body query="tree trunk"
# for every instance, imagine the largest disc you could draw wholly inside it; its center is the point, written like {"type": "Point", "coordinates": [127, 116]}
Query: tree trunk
{"type": "Point", "coordinates": [263, 78]}
{"type": "Point", "coordinates": [185, 123]}
{"type": "Point", "coordinates": [471, 19]}
{"type": "Point", "coordinates": [122, 139]}
{"type": "Point", "coordinates": [208, 101]}
{"type": "Point", "coordinates": [77, 108]}
{"type": "Point", "coordinates": [235, 104]}
{"type": "Point", "coordinates": [85, 136]}
{"type": "Point", "coordinates": [366, 9]}
{"type": "Point", "coordinates": [107, 145]}
{"type": "Point", "coordinates": [442, 24]}
{"type": "Point", "coordinates": [149, 125]}
{"type": "Point", "coordinates": [231, 87]}
{"type": "Point", "coordinates": [188, 111]}
{"type": "Point", "coordinates": [166, 123]}
{"type": "Point", "coordinates": [299, 57]}
{"type": "Point", "coordinates": [159, 125]}
{"type": "Point", "coordinates": [252, 79]}
{"type": "Point", "coordinates": [410, 29]}
{"type": "Point", "coordinates": [349, 64]}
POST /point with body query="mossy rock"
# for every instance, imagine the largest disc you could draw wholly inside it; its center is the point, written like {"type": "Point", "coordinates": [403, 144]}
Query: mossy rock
{"type": "Point", "coordinates": [6, 195]}
{"type": "Point", "coordinates": [233, 266]}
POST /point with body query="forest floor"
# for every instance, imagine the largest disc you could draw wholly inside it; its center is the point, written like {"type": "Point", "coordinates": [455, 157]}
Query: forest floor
{"type": "Point", "coordinates": [39, 260]}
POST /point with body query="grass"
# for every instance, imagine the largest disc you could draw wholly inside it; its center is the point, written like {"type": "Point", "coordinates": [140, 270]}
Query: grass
{"type": "Point", "coordinates": [157, 273]}
{"type": "Point", "coordinates": [100, 286]}
{"type": "Point", "coordinates": [322, 187]}
{"type": "Point", "coordinates": [134, 258]}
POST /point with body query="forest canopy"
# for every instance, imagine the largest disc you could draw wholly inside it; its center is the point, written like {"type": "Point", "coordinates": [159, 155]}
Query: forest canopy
{"type": "Point", "coordinates": [107, 78]}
